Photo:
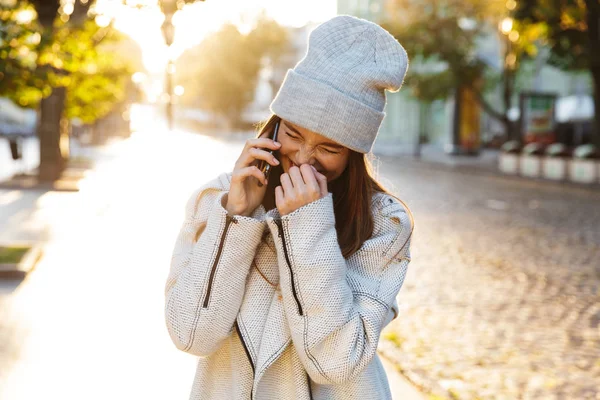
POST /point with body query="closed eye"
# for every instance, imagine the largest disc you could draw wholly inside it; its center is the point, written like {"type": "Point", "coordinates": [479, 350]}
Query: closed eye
{"type": "Point", "coordinates": [322, 148]}
{"type": "Point", "coordinates": [292, 136]}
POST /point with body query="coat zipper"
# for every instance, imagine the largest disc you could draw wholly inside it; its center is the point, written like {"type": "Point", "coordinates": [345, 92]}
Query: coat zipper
{"type": "Point", "coordinates": [289, 264]}
{"type": "Point", "coordinates": [229, 219]}
{"type": "Point", "coordinates": [237, 327]}
{"type": "Point", "coordinates": [309, 387]}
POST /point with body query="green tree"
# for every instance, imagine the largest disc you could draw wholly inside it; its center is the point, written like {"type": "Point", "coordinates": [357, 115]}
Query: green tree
{"type": "Point", "coordinates": [50, 59]}
{"type": "Point", "coordinates": [571, 30]}
{"type": "Point", "coordinates": [442, 39]}
{"type": "Point", "coordinates": [272, 42]}
{"type": "Point", "coordinates": [220, 75]}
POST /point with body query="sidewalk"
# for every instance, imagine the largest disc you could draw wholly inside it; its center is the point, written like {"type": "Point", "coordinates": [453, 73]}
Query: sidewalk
{"type": "Point", "coordinates": [37, 215]}
{"type": "Point", "coordinates": [485, 164]}
{"type": "Point", "coordinates": [434, 156]}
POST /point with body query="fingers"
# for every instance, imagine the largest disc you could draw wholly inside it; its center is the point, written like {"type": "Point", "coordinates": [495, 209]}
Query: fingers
{"type": "Point", "coordinates": [300, 183]}
{"type": "Point", "coordinates": [297, 179]}
{"type": "Point", "coordinates": [309, 176]}
{"type": "Point", "coordinates": [256, 149]}
{"type": "Point", "coordinates": [279, 198]}
{"type": "Point", "coordinates": [264, 143]}
{"type": "Point", "coordinates": [258, 154]}
{"type": "Point", "coordinates": [239, 175]}
{"type": "Point", "coordinates": [286, 183]}
{"type": "Point", "coordinates": [322, 181]}
{"type": "Point", "coordinates": [300, 186]}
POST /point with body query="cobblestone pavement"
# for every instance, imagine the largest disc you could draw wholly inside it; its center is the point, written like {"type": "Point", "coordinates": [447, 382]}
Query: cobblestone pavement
{"type": "Point", "coordinates": [502, 298]}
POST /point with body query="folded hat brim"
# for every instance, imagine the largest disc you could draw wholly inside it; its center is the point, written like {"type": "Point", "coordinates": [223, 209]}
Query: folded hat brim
{"type": "Point", "coordinates": [330, 112]}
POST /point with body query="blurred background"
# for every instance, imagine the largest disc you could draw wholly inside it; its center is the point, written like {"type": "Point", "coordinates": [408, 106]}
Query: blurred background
{"type": "Point", "coordinates": [113, 111]}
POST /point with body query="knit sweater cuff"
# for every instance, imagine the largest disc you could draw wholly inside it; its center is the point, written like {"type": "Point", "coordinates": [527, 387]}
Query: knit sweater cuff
{"type": "Point", "coordinates": [312, 216]}
{"type": "Point", "coordinates": [258, 215]}
{"type": "Point", "coordinates": [313, 220]}
{"type": "Point", "coordinates": [248, 229]}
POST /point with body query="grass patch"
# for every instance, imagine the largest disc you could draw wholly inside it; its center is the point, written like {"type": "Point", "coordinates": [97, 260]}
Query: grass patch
{"type": "Point", "coordinates": [12, 255]}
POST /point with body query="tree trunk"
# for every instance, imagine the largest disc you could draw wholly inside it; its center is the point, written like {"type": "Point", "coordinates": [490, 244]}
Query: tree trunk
{"type": "Point", "coordinates": [508, 85]}
{"type": "Point", "coordinates": [596, 135]}
{"type": "Point", "coordinates": [53, 136]}
{"type": "Point", "coordinates": [456, 121]}
{"type": "Point", "coordinates": [593, 20]}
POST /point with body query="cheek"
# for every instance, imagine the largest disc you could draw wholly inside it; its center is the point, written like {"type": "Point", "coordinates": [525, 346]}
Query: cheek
{"type": "Point", "coordinates": [334, 166]}
{"type": "Point", "coordinates": [286, 147]}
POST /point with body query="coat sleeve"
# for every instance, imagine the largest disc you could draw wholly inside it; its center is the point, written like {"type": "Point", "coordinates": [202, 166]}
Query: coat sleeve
{"type": "Point", "coordinates": [210, 262]}
{"type": "Point", "coordinates": [336, 308]}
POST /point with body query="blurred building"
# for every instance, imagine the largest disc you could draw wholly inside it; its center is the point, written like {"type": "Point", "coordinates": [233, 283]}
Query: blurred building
{"type": "Point", "coordinates": [407, 117]}
{"type": "Point", "coordinates": [16, 121]}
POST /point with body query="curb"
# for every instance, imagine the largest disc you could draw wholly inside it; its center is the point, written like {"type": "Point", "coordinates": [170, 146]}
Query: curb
{"type": "Point", "coordinates": [25, 266]}
{"type": "Point", "coordinates": [68, 182]}
{"type": "Point", "coordinates": [401, 387]}
{"type": "Point", "coordinates": [484, 172]}
{"type": "Point", "coordinates": [419, 380]}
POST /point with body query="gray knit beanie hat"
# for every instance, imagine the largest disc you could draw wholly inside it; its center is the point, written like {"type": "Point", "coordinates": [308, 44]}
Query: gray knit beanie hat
{"type": "Point", "coordinates": [338, 89]}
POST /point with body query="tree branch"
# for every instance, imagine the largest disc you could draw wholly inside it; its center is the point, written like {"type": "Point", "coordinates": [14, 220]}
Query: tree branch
{"type": "Point", "coordinates": [487, 106]}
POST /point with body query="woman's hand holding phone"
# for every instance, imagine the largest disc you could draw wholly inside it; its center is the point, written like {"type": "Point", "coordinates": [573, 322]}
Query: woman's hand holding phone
{"type": "Point", "coordinates": [244, 193]}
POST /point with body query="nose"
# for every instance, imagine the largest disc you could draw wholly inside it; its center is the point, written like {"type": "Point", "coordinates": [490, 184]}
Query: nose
{"type": "Point", "coordinates": [304, 155]}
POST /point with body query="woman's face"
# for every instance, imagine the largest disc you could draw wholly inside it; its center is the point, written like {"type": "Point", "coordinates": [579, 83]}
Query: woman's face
{"type": "Point", "coordinates": [301, 146]}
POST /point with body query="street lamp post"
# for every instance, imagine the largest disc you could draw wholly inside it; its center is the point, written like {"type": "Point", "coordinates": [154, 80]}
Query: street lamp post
{"type": "Point", "coordinates": [509, 35]}
{"type": "Point", "coordinates": [169, 7]}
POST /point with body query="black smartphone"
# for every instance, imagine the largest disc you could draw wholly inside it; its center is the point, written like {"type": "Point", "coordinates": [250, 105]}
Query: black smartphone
{"type": "Point", "coordinates": [264, 166]}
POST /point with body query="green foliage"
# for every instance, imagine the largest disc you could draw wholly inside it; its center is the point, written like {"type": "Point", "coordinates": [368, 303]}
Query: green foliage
{"type": "Point", "coordinates": [443, 36]}
{"type": "Point", "coordinates": [559, 24]}
{"type": "Point", "coordinates": [268, 39]}
{"type": "Point", "coordinates": [34, 59]}
{"type": "Point", "coordinates": [220, 75]}
{"type": "Point", "coordinates": [19, 38]}
{"type": "Point", "coordinates": [101, 79]}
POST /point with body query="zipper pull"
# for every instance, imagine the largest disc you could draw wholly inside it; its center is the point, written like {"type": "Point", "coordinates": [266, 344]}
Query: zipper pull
{"type": "Point", "coordinates": [279, 226]}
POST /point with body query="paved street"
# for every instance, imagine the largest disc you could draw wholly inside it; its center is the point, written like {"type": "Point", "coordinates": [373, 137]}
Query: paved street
{"type": "Point", "coordinates": [501, 299]}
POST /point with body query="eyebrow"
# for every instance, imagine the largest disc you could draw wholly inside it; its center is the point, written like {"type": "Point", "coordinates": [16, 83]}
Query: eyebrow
{"type": "Point", "coordinates": [328, 144]}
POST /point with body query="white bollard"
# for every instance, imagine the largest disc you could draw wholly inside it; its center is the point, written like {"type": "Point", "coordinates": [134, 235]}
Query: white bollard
{"type": "Point", "coordinates": [509, 163]}
{"type": "Point", "coordinates": [583, 171]}
{"type": "Point", "coordinates": [555, 168]}
{"type": "Point", "coordinates": [530, 165]}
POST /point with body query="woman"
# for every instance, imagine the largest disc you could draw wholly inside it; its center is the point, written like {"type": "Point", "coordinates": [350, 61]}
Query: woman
{"type": "Point", "coordinates": [283, 289]}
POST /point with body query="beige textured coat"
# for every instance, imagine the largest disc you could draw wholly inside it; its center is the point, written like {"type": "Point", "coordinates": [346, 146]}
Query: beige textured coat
{"type": "Point", "coordinates": [272, 308]}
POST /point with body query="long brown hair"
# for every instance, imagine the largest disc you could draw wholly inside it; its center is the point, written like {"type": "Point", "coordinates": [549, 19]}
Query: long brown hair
{"type": "Point", "coordinates": [352, 195]}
